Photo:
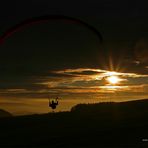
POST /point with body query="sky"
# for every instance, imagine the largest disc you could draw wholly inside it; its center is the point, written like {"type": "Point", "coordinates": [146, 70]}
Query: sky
{"type": "Point", "coordinates": [67, 59]}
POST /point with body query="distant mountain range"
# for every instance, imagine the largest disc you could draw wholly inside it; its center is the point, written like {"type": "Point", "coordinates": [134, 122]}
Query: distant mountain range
{"type": "Point", "coordinates": [4, 113]}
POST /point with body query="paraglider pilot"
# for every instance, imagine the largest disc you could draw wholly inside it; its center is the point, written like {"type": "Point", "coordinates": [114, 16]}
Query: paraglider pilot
{"type": "Point", "coordinates": [53, 103]}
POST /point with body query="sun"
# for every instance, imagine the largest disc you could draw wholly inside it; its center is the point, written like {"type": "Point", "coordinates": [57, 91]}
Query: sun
{"type": "Point", "coordinates": [113, 79]}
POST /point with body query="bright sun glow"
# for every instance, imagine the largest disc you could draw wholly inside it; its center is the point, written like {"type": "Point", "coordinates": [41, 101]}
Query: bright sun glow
{"type": "Point", "coordinates": [113, 79]}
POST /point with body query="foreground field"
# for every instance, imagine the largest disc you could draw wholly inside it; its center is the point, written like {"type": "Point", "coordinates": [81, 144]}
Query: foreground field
{"type": "Point", "coordinates": [104, 124]}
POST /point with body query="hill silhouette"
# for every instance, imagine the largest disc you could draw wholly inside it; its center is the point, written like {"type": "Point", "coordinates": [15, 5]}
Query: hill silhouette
{"type": "Point", "coordinates": [4, 113]}
{"type": "Point", "coordinates": [86, 125]}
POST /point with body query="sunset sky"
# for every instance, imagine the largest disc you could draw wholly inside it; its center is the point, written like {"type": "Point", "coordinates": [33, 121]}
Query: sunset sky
{"type": "Point", "coordinates": [66, 59]}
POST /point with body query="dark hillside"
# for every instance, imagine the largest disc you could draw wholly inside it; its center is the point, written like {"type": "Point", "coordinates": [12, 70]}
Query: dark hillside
{"type": "Point", "coordinates": [4, 113]}
{"type": "Point", "coordinates": [104, 125]}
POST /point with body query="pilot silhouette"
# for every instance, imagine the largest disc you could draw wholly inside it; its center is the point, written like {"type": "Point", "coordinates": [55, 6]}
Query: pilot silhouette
{"type": "Point", "coordinates": [53, 103]}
